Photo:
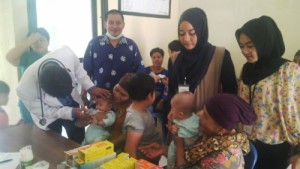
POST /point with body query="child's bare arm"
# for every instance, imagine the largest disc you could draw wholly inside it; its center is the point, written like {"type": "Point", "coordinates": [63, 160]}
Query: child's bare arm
{"type": "Point", "coordinates": [179, 142]}
{"type": "Point", "coordinates": [100, 116]}
{"type": "Point", "coordinates": [101, 123]}
{"type": "Point", "coordinates": [132, 140]}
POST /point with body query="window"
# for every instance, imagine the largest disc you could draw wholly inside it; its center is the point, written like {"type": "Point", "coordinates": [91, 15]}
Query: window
{"type": "Point", "coordinates": [149, 8]}
{"type": "Point", "coordinates": [68, 22]}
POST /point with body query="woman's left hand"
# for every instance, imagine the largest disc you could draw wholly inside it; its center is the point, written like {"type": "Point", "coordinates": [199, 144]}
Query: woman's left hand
{"type": "Point", "coordinates": [171, 127]}
{"type": "Point", "coordinates": [98, 92]}
{"type": "Point", "coordinates": [295, 161]}
{"type": "Point", "coordinates": [99, 116]}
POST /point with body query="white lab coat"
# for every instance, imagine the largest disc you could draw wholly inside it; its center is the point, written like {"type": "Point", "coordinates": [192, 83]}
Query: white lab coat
{"type": "Point", "coordinates": [29, 92]}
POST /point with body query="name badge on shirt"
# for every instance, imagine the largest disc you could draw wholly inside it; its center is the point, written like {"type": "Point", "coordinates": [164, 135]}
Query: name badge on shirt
{"type": "Point", "coordinates": [183, 88]}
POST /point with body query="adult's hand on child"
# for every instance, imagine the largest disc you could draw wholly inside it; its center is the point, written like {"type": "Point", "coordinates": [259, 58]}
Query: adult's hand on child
{"type": "Point", "coordinates": [98, 92]}
{"type": "Point", "coordinates": [171, 127]}
{"type": "Point", "coordinates": [100, 116]}
{"type": "Point", "coordinates": [94, 120]}
{"type": "Point", "coordinates": [101, 123]}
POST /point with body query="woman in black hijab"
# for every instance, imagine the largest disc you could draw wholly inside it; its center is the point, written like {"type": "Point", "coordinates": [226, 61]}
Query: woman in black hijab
{"type": "Point", "coordinates": [271, 85]}
{"type": "Point", "coordinates": [204, 69]}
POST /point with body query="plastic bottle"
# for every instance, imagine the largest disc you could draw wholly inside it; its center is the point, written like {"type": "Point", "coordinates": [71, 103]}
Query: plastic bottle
{"type": "Point", "coordinates": [26, 157]}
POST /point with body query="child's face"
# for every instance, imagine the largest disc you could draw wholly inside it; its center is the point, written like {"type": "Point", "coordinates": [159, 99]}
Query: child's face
{"type": "Point", "coordinates": [3, 99]}
{"type": "Point", "coordinates": [103, 105]}
{"type": "Point", "coordinates": [176, 114]}
{"type": "Point", "coordinates": [176, 110]}
{"type": "Point", "coordinates": [181, 104]}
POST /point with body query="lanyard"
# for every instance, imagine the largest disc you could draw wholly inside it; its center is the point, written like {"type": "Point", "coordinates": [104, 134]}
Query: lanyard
{"type": "Point", "coordinates": [251, 93]}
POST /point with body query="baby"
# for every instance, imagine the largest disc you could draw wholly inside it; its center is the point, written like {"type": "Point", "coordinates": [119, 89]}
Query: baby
{"type": "Point", "coordinates": [96, 130]}
{"type": "Point", "coordinates": [185, 120]}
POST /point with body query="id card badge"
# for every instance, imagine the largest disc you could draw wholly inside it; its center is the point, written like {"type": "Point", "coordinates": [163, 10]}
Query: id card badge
{"type": "Point", "coordinates": [183, 88]}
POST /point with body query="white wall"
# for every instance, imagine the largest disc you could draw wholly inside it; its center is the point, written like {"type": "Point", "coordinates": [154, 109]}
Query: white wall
{"type": "Point", "coordinates": [226, 16]}
{"type": "Point", "coordinates": [13, 30]}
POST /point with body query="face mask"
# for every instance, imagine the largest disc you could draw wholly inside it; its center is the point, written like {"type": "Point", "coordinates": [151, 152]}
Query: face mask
{"type": "Point", "coordinates": [113, 37]}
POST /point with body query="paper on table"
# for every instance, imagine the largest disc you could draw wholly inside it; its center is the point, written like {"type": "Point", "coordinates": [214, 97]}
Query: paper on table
{"type": "Point", "coordinates": [10, 164]}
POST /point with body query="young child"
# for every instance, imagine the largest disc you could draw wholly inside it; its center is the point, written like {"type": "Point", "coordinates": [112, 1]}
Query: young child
{"type": "Point", "coordinates": [186, 122]}
{"type": "Point", "coordinates": [139, 126]}
{"type": "Point", "coordinates": [4, 92]}
{"type": "Point", "coordinates": [96, 130]}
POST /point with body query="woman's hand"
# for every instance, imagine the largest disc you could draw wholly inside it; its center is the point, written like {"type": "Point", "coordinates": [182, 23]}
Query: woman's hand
{"type": "Point", "coordinates": [295, 161]}
{"type": "Point", "coordinates": [99, 116]}
{"type": "Point", "coordinates": [98, 92]}
{"type": "Point", "coordinates": [179, 142]}
{"type": "Point", "coordinates": [171, 127]}
{"type": "Point", "coordinates": [154, 150]}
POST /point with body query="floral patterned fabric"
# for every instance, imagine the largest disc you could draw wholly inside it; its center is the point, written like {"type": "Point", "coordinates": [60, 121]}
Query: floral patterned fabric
{"type": "Point", "coordinates": [276, 101]}
{"type": "Point", "coordinates": [106, 64]}
{"type": "Point", "coordinates": [218, 152]}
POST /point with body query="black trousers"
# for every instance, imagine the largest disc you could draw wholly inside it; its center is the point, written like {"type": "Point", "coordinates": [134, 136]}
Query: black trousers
{"type": "Point", "coordinates": [74, 133]}
{"type": "Point", "coordinates": [272, 156]}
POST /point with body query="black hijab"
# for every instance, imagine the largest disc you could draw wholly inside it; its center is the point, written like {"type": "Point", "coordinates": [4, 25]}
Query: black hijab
{"type": "Point", "coordinates": [269, 44]}
{"type": "Point", "coordinates": [193, 64]}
